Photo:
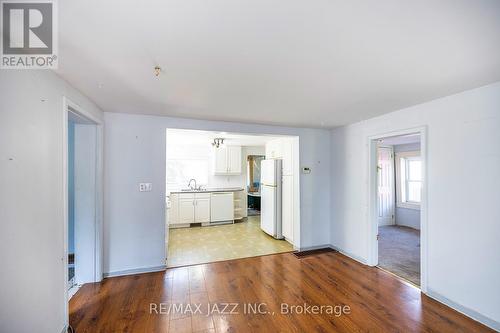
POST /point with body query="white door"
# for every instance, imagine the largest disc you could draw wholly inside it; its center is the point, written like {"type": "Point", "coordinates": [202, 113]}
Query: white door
{"type": "Point", "coordinates": [385, 172]}
{"type": "Point", "coordinates": [202, 210]}
{"type": "Point", "coordinates": [234, 159]}
{"type": "Point", "coordinates": [220, 161]}
{"type": "Point", "coordinates": [186, 210]}
{"type": "Point", "coordinates": [287, 207]}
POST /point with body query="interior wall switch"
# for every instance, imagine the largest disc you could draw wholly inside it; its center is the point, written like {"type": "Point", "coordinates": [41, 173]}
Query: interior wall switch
{"type": "Point", "coordinates": [145, 187]}
{"type": "Point", "coordinates": [306, 170]}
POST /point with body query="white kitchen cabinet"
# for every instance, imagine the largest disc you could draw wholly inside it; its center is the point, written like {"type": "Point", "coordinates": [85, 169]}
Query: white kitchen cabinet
{"type": "Point", "coordinates": [282, 149]}
{"type": "Point", "coordinates": [186, 210]}
{"type": "Point", "coordinates": [287, 207]}
{"type": "Point", "coordinates": [206, 208]}
{"type": "Point", "coordinates": [274, 149]}
{"type": "Point", "coordinates": [227, 160]}
{"type": "Point", "coordinates": [234, 159]}
{"type": "Point", "coordinates": [189, 208]}
{"type": "Point", "coordinates": [240, 205]}
{"type": "Point", "coordinates": [202, 208]}
{"type": "Point", "coordinates": [173, 214]}
{"type": "Point", "coordinates": [220, 160]}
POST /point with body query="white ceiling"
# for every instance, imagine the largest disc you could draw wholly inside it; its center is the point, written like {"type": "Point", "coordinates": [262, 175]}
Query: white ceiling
{"type": "Point", "coordinates": [300, 63]}
{"type": "Point", "coordinates": [194, 137]}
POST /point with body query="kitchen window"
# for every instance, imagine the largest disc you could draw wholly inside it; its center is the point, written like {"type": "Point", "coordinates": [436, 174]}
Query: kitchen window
{"type": "Point", "coordinates": [181, 170]}
{"type": "Point", "coordinates": [409, 179]}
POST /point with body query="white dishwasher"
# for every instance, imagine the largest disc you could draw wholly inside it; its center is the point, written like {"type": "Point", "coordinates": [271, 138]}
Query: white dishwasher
{"type": "Point", "coordinates": [221, 207]}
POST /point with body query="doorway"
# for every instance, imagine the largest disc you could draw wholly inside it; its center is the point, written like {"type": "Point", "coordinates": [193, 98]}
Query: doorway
{"type": "Point", "coordinates": [82, 178]}
{"type": "Point", "coordinates": [398, 204]}
{"type": "Point", "coordinates": [214, 195]}
{"type": "Point", "coordinates": [254, 184]}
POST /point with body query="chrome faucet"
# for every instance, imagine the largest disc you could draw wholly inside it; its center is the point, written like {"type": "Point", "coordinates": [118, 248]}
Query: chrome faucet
{"type": "Point", "coordinates": [189, 184]}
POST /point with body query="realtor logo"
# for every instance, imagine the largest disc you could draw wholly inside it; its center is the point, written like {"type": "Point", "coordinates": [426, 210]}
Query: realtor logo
{"type": "Point", "coordinates": [29, 39]}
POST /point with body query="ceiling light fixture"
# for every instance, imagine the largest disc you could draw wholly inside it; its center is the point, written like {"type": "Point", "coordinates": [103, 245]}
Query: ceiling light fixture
{"type": "Point", "coordinates": [157, 71]}
{"type": "Point", "coordinates": [218, 142]}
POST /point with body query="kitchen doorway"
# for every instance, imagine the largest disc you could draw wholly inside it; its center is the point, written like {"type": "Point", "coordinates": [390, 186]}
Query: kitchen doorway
{"type": "Point", "coordinates": [254, 183]}
{"type": "Point", "coordinates": [213, 196]}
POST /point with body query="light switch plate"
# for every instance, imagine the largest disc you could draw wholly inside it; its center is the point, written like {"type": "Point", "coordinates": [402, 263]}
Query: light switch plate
{"type": "Point", "coordinates": [306, 170]}
{"type": "Point", "coordinates": [145, 187]}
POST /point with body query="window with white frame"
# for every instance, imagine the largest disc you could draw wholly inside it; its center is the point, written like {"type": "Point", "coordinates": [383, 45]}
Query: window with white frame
{"type": "Point", "coordinates": [409, 179]}
{"type": "Point", "coordinates": [185, 162]}
{"type": "Point", "coordinates": [181, 170]}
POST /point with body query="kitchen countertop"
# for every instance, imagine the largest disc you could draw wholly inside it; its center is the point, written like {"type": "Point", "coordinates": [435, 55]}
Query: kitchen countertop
{"type": "Point", "coordinates": [209, 190]}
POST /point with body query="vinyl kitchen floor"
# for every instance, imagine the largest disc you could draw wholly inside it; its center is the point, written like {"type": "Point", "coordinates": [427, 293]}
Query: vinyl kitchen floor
{"type": "Point", "coordinates": [189, 246]}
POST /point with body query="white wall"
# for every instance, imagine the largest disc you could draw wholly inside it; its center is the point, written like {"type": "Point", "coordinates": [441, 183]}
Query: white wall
{"type": "Point", "coordinates": [463, 194]}
{"type": "Point", "coordinates": [31, 194]}
{"type": "Point", "coordinates": [135, 148]}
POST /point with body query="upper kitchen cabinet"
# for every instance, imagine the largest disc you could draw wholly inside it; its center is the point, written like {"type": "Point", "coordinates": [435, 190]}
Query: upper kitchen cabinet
{"type": "Point", "coordinates": [274, 149]}
{"type": "Point", "coordinates": [281, 149]}
{"type": "Point", "coordinates": [220, 161]}
{"type": "Point", "coordinates": [227, 160]}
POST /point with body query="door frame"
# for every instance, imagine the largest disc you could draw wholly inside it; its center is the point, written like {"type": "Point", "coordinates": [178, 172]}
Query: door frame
{"type": "Point", "coordinates": [393, 182]}
{"type": "Point", "coordinates": [70, 106]}
{"type": "Point", "coordinates": [372, 199]}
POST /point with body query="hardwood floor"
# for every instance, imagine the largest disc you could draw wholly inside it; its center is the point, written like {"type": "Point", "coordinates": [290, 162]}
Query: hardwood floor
{"type": "Point", "coordinates": [377, 301]}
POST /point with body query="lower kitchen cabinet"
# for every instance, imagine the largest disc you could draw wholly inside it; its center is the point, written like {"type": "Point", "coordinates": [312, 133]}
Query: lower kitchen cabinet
{"type": "Point", "coordinates": [202, 208]}
{"type": "Point", "coordinates": [206, 208]}
{"type": "Point", "coordinates": [186, 209]}
{"type": "Point", "coordinates": [192, 208]}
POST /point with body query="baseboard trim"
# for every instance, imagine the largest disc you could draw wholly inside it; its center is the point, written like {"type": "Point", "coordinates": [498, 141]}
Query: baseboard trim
{"type": "Point", "coordinates": [336, 248]}
{"type": "Point", "coordinates": [136, 271]}
{"type": "Point", "coordinates": [350, 255]}
{"type": "Point", "coordinates": [493, 324]}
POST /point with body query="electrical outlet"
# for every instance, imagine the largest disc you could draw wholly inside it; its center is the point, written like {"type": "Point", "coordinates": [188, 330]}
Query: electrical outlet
{"type": "Point", "coordinates": [145, 187]}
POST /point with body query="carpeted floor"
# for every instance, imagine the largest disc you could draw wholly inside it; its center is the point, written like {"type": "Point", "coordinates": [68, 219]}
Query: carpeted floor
{"type": "Point", "coordinates": [399, 252]}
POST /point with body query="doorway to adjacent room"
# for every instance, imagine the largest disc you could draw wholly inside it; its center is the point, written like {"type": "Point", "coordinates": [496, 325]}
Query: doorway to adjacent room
{"type": "Point", "coordinates": [398, 190]}
{"type": "Point", "coordinates": [82, 178]}
{"type": "Point", "coordinates": [219, 205]}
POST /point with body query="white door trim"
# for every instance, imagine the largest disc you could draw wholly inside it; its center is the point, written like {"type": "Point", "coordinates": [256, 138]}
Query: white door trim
{"type": "Point", "coordinates": [69, 106]}
{"type": "Point", "coordinates": [372, 199]}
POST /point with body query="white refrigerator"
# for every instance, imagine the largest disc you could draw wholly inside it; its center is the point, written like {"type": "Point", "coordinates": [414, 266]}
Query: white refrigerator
{"type": "Point", "coordinates": [270, 180]}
